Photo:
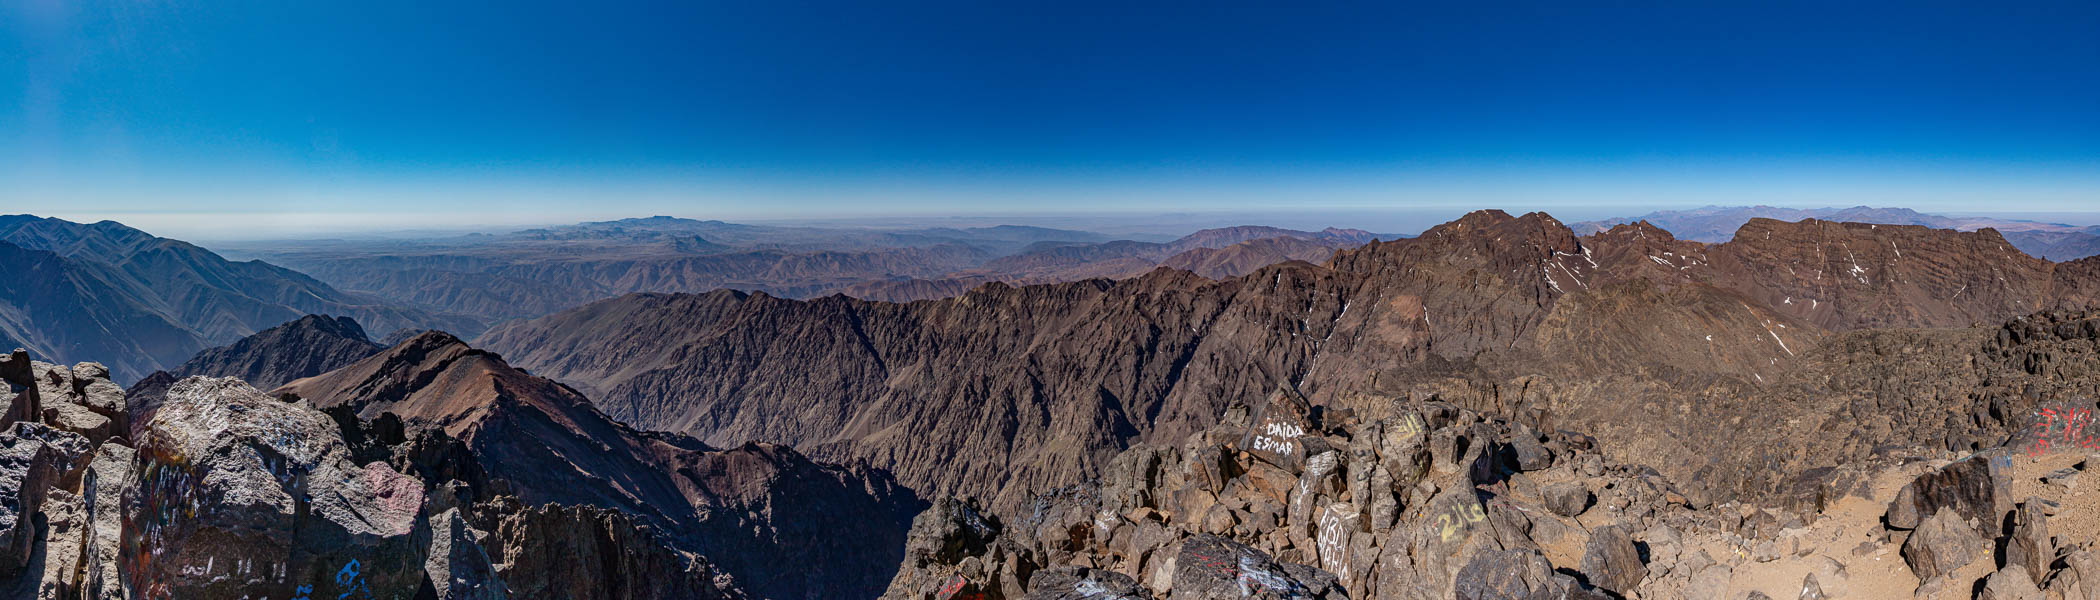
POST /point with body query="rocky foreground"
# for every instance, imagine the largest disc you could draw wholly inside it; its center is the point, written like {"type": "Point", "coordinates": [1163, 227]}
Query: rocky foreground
{"type": "Point", "coordinates": [434, 470]}
{"type": "Point", "coordinates": [478, 481]}
{"type": "Point", "coordinates": [1283, 500]}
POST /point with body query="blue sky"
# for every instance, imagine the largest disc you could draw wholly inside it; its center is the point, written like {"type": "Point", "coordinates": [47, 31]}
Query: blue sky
{"type": "Point", "coordinates": [399, 114]}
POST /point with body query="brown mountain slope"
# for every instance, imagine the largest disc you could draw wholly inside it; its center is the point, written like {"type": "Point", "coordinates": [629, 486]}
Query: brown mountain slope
{"type": "Point", "coordinates": [749, 509]}
{"type": "Point", "coordinates": [1005, 391]}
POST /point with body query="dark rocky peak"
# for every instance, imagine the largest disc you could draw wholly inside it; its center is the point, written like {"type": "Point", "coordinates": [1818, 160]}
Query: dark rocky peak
{"type": "Point", "coordinates": [1638, 230]}
{"type": "Point", "coordinates": [1641, 250]}
{"type": "Point", "coordinates": [1514, 247]}
{"type": "Point", "coordinates": [1532, 231]}
{"type": "Point", "coordinates": [309, 346]}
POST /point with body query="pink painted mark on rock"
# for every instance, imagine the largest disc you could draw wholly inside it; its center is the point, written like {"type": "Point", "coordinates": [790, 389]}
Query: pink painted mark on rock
{"type": "Point", "coordinates": [399, 496]}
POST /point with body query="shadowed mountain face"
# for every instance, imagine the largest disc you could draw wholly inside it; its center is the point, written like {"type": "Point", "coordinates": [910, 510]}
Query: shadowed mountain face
{"type": "Point", "coordinates": [70, 309]}
{"type": "Point", "coordinates": [750, 508]}
{"type": "Point", "coordinates": [312, 345]}
{"type": "Point", "coordinates": [150, 302]}
{"type": "Point", "coordinates": [2050, 241]}
{"type": "Point", "coordinates": [1005, 391]}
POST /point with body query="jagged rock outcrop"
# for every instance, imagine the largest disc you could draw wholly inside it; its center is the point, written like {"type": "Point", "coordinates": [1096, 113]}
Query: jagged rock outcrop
{"type": "Point", "coordinates": [241, 493]}
{"type": "Point", "coordinates": [34, 460]}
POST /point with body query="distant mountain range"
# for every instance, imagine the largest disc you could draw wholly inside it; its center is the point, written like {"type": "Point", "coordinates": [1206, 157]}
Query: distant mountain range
{"type": "Point", "coordinates": [1213, 253]}
{"type": "Point", "coordinates": [538, 271]}
{"type": "Point", "coordinates": [2053, 241]}
{"type": "Point", "coordinates": [137, 302]}
{"type": "Point", "coordinates": [141, 303]}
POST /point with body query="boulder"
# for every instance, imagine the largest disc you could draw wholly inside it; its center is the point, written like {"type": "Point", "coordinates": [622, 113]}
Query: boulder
{"type": "Point", "coordinates": [456, 566]}
{"type": "Point", "coordinates": [34, 461]}
{"type": "Point", "coordinates": [1318, 480]}
{"type": "Point", "coordinates": [1515, 575]}
{"type": "Point", "coordinates": [1941, 544]}
{"type": "Point", "coordinates": [2029, 547]}
{"type": "Point", "coordinates": [1566, 499]}
{"type": "Point", "coordinates": [67, 416]}
{"type": "Point", "coordinates": [102, 497]}
{"type": "Point", "coordinates": [1211, 567]}
{"type": "Point", "coordinates": [1340, 524]}
{"type": "Point", "coordinates": [1528, 454]}
{"type": "Point", "coordinates": [2009, 583]}
{"type": "Point", "coordinates": [1612, 562]}
{"type": "Point", "coordinates": [1278, 423]}
{"type": "Point", "coordinates": [948, 531]}
{"type": "Point", "coordinates": [238, 493]}
{"type": "Point", "coordinates": [2078, 580]}
{"type": "Point", "coordinates": [1081, 583]}
{"type": "Point", "coordinates": [1974, 488]}
{"type": "Point", "coordinates": [14, 368]}
{"type": "Point", "coordinates": [1811, 590]}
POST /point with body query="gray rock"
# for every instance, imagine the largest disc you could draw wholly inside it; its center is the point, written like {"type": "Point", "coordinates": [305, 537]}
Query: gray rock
{"type": "Point", "coordinates": [2029, 546]}
{"type": "Point", "coordinates": [2066, 477]}
{"type": "Point", "coordinates": [1611, 561]}
{"type": "Point", "coordinates": [90, 370]}
{"type": "Point", "coordinates": [458, 568]}
{"type": "Point", "coordinates": [1941, 544]}
{"type": "Point", "coordinates": [2009, 583]}
{"type": "Point", "coordinates": [1973, 488]}
{"type": "Point", "coordinates": [14, 368]}
{"type": "Point", "coordinates": [1318, 479]}
{"type": "Point", "coordinates": [1279, 422]}
{"type": "Point", "coordinates": [102, 495]}
{"type": "Point", "coordinates": [1514, 575]}
{"type": "Point", "coordinates": [948, 531]}
{"type": "Point", "coordinates": [1810, 590]}
{"type": "Point", "coordinates": [1529, 454]}
{"type": "Point", "coordinates": [34, 460]}
{"type": "Point", "coordinates": [238, 493]}
{"type": "Point", "coordinates": [1081, 583]}
{"type": "Point", "coordinates": [75, 418]}
{"type": "Point", "coordinates": [2079, 579]}
{"type": "Point", "coordinates": [1709, 582]}
{"type": "Point", "coordinates": [1566, 499]}
{"type": "Point", "coordinates": [1213, 567]}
